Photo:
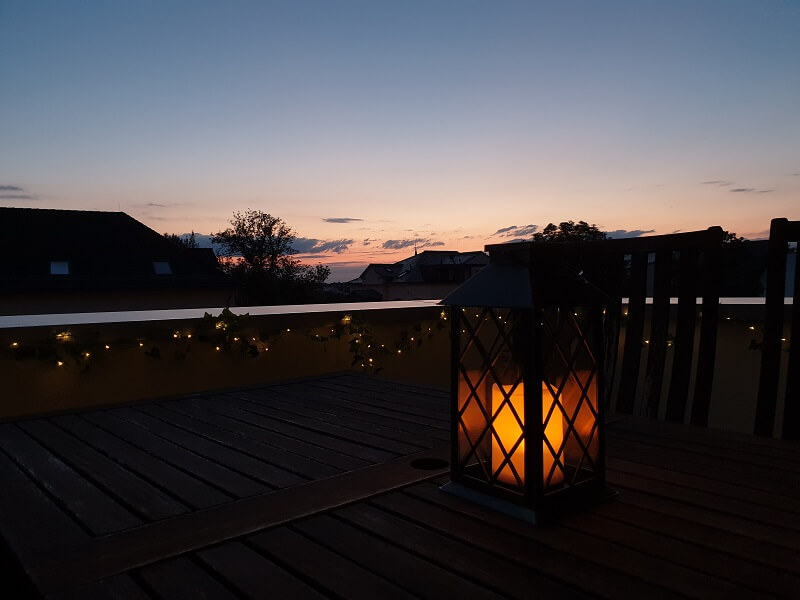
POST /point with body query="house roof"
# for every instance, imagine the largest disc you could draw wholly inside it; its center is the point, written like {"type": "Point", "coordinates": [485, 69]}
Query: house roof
{"type": "Point", "coordinates": [421, 267]}
{"type": "Point", "coordinates": [104, 250]}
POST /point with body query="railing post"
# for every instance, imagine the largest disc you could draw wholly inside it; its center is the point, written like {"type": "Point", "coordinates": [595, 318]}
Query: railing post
{"type": "Point", "coordinates": [773, 326]}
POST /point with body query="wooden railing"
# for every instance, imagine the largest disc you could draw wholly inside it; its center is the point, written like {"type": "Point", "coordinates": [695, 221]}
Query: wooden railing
{"type": "Point", "coordinates": [685, 266]}
{"type": "Point", "coordinates": [782, 231]}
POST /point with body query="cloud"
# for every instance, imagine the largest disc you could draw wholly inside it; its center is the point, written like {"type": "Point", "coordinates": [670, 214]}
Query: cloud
{"type": "Point", "coordinates": [341, 220]}
{"type": "Point", "coordinates": [750, 191]}
{"type": "Point", "coordinates": [517, 231]}
{"type": "Point", "coordinates": [418, 242]}
{"type": "Point", "coordinates": [314, 246]}
{"type": "Point", "coordinates": [160, 205]}
{"type": "Point", "coordinates": [17, 197]}
{"type": "Point", "coordinates": [628, 233]}
{"type": "Point", "coordinates": [14, 192]}
{"type": "Point", "coordinates": [738, 190]}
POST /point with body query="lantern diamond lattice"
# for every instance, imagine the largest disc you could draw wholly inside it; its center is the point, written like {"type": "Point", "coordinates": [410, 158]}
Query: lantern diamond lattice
{"type": "Point", "coordinates": [527, 412]}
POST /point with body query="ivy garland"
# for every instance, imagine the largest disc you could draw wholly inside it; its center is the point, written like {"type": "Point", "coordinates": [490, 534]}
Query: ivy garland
{"type": "Point", "coordinates": [227, 332]}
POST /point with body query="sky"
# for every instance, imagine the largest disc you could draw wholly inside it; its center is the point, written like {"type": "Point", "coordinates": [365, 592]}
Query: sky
{"type": "Point", "coordinates": [372, 127]}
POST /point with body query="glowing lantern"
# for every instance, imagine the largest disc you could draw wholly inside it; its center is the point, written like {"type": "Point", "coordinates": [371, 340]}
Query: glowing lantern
{"type": "Point", "coordinates": [527, 412]}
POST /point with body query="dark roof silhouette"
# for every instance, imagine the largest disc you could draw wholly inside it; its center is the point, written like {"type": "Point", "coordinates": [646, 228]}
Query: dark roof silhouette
{"type": "Point", "coordinates": [425, 266]}
{"type": "Point", "coordinates": [104, 250]}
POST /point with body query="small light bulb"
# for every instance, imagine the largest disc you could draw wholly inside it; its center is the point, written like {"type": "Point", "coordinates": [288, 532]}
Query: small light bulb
{"type": "Point", "coordinates": [60, 363]}
{"type": "Point", "coordinates": [108, 347]}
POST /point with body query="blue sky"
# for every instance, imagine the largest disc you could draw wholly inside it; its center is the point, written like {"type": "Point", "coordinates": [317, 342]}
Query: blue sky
{"type": "Point", "coordinates": [368, 125]}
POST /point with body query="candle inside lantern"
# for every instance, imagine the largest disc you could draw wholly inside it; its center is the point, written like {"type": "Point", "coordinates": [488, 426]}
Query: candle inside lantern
{"type": "Point", "coordinates": [507, 431]}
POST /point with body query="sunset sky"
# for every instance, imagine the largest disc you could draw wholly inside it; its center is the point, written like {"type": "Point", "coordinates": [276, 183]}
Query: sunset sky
{"type": "Point", "coordinates": [371, 126]}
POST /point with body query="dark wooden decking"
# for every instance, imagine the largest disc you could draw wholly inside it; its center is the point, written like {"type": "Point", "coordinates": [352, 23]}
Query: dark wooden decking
{"type": "Point", "coordinates": [310, 489]}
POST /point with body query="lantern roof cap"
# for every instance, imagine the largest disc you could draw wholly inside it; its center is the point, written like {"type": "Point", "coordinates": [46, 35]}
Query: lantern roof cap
{"type": "Point", "coordinates": [500, 285]}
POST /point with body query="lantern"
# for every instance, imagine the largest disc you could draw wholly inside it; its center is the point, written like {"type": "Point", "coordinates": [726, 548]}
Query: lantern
{"type": "Point", "coordinates": [527, 412]}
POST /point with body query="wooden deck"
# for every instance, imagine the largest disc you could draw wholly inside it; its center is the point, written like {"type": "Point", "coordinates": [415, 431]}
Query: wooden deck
{"type": "Point", "coordinates": [313, 489]}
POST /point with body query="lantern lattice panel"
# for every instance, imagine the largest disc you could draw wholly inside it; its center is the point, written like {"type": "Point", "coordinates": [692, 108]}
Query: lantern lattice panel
{"type": "Point", "coordinates": [570, 376]}
{"type": "Point", "coordinates": [491, 407]}
{"type": "Point", "coordinates": [497, 351]}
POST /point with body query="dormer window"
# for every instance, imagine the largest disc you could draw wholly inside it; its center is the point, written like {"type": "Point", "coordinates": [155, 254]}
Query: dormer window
{"type": "Point", "coordinates": [161, 267]}
{"type": "Point", "coordinates": [59, 267]}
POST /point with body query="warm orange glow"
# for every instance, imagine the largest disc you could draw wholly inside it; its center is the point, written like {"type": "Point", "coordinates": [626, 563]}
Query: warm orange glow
{"type": "Point", "coordinates": [507, 431]}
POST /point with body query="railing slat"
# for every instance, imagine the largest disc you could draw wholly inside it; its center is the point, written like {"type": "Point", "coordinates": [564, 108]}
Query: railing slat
{"type": "Point", "coordinates": [706, 353]}
{"type": "Point", "coordinates": [773, 324]}
{"type": "Point", "coordinates": [684, 335]}
{"type": "Point", "coordinates": [634, 329]}
{"type": "Point", "coordinates": [659, 329]}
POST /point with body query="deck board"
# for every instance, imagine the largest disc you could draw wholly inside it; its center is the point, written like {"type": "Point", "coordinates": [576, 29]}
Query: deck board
{"type": "Point", "coordinates": [93, 509]}
{"type": "Point", "coordinates": [252, 573]}
{"type": "Point", "coordinates": [141, 496]}
{"type": "Point", "coordinates": [306, 489]}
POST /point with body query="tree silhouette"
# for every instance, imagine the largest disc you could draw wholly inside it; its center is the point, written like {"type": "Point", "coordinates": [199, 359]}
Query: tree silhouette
{"type": "Point", "coordinates": [257, 250]}
{"type": "Point", "coordinates": [187, 240]}
{"type": "Point", "coordinates": [569, 231]}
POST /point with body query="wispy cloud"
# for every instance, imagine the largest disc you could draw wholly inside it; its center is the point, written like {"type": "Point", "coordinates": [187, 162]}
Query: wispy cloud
{"type": "Point", "coordinates": [750, 191]}
{"type": "Point", "coordinates": [160, 204]}
{"type": "Point", "coordinates": [517, 231]}
{"type": "Point", "coordinates": [341, 220]}
{"type": "Point", "coordinates": [418, 242]}
{"type": "Point", "coordinates": [736, 190]}
{"type": "Point", "coordinates": [315, 246]}
{"type": "Point", "coordinates": [628, 233]}
{"type": "Point", "coordinates": [15, 192]}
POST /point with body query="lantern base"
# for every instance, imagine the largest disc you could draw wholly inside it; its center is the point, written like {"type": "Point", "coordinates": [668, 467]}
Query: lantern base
{"type": "Point", "coordinates": [517, 511]}
{"type": "Point", "coordinates": [508, 508]}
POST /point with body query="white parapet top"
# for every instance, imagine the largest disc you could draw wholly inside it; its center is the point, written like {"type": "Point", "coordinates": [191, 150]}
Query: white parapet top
{"type": "Point", "coordinates": [133, 316]}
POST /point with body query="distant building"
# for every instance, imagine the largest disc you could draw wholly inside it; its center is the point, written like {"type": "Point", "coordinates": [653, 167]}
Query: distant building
{"type": "Point", "coordinates": [430, 274]}
{"type": "Point", "coordinates": [60, 261]}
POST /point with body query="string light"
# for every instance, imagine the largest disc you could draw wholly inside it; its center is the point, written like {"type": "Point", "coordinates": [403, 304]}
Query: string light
{"type": "Point", "coordinates": [15, 344]}
{"type": "Point", "coordinates": [60, 363]}
{"type": "Point", "coordinates": [108, 347]}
